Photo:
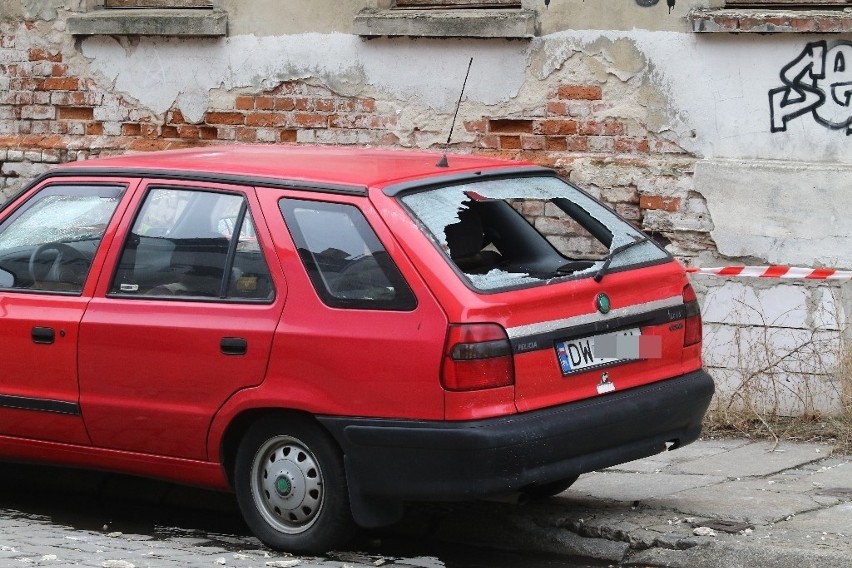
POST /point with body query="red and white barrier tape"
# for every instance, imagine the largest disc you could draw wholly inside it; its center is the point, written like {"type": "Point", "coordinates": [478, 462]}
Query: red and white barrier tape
{"type": "Point", "coordinates": [776, 272]}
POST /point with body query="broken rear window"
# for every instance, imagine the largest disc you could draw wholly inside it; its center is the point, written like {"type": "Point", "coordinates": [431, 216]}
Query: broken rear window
{"type": "Point", "coordinates": [508, 233]}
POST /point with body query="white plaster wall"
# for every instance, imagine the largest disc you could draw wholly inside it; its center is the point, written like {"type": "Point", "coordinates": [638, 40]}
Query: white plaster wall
{"type": "Point", "coordinates": [716, 86]}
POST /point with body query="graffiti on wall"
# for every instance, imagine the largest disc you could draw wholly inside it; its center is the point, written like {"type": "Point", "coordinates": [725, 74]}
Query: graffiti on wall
{"type": "Point", "coordinates": [819, 82]}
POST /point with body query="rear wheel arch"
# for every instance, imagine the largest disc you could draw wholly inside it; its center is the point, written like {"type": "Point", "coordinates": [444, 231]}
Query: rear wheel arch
{"type": "Point", "coordinates": [240, 424]}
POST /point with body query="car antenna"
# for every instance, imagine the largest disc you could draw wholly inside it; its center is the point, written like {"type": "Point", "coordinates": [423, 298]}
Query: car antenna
{"type": "Point", "coordinates": [443, 163]}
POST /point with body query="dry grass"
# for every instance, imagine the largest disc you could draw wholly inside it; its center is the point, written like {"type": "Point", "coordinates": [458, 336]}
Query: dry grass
{"type": "Point", "coordinates": [810, 426]}
{"type": "Point", "coordinates": [833, 430]}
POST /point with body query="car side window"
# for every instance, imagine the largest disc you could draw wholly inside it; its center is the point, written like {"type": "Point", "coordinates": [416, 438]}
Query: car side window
{"type": "Point", "coordinates": [193, 244]}
{"type": "Point", "coordinates": [49, 242]}
{"type": "Point", "coordinates": [344, 258]}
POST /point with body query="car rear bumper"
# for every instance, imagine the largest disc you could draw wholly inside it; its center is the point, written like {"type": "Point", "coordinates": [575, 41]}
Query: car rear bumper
{"type": "Point", "coordinates": [391, 461]}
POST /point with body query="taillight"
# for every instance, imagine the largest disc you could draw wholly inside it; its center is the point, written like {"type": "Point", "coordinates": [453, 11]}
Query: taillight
{"type": "Point", "coordinates": [692, 332]}
{"type": "Point", "coordinates": [477, 356]}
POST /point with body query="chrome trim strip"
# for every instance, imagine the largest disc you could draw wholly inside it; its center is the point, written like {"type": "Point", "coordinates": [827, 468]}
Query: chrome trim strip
{"type": "Point", "coordinates": [554, 325]}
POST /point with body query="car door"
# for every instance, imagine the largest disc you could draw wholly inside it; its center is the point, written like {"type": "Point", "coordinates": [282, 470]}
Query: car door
{"type": "Point", "coordinates": [184, 320]}
{"type": "Point", "coordinates": [52, 242]}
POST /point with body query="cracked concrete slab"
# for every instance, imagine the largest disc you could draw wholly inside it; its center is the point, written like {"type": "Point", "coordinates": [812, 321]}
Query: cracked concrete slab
{"type": "Point", "coordinates": [737, 500]}
{"type": "Point", "coordinates": [797, 503]}
{"type": "Point", "coordinates": [620, 486]}
{"type": "Point", "coordinates": [755, 459]}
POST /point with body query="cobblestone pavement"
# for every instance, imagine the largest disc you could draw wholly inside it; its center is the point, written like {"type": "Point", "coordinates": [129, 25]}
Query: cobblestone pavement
{"type": "Point", "coordinates": [35, 540]}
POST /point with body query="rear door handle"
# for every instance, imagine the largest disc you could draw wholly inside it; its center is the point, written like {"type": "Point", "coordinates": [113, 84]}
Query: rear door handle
{"type": "Point", "coordinates": [43, 335]}
{"type": "Point", "coordinates": [233, 346]}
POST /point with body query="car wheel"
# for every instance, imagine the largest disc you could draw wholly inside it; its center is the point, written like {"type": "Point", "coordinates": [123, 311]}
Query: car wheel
{"type": "Point", "coordinates": [291, 486]}
{"type": "Point", "coordinates": [545, 490]}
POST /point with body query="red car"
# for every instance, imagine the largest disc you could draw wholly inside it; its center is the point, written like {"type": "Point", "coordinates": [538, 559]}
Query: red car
{"type": "Point", "coordinates": [331, 332]}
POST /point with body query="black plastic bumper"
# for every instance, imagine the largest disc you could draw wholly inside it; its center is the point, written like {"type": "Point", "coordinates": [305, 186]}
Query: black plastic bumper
{"type": "Point", "coordinates": [391, 461]}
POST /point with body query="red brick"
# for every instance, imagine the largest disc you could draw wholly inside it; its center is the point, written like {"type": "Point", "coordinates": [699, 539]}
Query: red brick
{"type": "Point", "coordinates": [246, 134]}
{"type": "Point", "coordinates": [510, 142]}
{"type": "Point", "coordinates": [149, 130]}
{"type": "Point", "coordinates": [580, 92]}
{"type": "Point", "coordinates": [605, 128]}
{"type": "Point", "coordinates": [131, 129]}
{"type": "Point", "coordinates": [188, 131]}
{"type": "Point", "coordinates": [169, 132]}
{"type": "Point", "coordinates": [58, 69]}
{"type": "Point", "coordinates": [555, 143]}
{"type": "Point", "coordinates": [659, 202]}
{"type": "Point", "coordinates": [488, 141]}
{"type": "Point", "coordinates": [533, 142]}
{"type": "Point", "coordinates": [557, 127]}
{"type": "Point", "coordinates": [577, 144]}
{"type": "Point", "coordinates": [95, 129]}
{"type": "Point", "coordinates": [324, 105]}
{"type": "Point", "coordinates": [557, 108]}
{"type": "Point", "coordinates": [310, 120]}
{"type": "Point", "coordinates": [367, 105]}
{"type": "Point", "coordinates": [264, 103]}
{"type": "Point", "coordinates": [302, 103]}
{"type": "Point", "coordinates": [225, 118]}
{"type": "Point", "coordinates": [510, 126]}
{"type": "Point", "coordinates": [803, 24]}
{"type": "Point", "coordinates": [632, 145]}
{"type": "Point", "coordinates": [208, 133]}
{"type": "Point", "coordinates": [476, 125]}
{"type": "Point", "coordinates": [176, 117]}
{"type": "Point", "coordinates": [284, 103]}
{"type": "Point", "coordinates": [75, 113]}
{"type": "Point", "coordinates": [61, 84]}
{"type": "Point", "coordinates": [38, 54]}
{"type": "Point", "coordinates": [244, 102]}
{"type": "Point", "coordinates": [265, 119]}
{"type": "Point", "coordinates": [287, 136]}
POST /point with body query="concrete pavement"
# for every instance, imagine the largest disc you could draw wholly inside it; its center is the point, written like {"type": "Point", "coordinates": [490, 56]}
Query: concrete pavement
{"type": "Point", "coordinates": [715, 503]}
{"type": "Point", "coordinates": [719, 503]}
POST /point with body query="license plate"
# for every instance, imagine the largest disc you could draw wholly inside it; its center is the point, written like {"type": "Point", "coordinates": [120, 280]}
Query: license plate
{"type": "Point", "coordinates": [584, 353]}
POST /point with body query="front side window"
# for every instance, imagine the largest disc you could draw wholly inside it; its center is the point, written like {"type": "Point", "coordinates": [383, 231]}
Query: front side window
{"type": "Point", "coordinates": [344, 258]}
{"type": "Point", "coordinates": [517, 232]}
{"type": "Point", "coordinates": [48, 244]}
{"type": "Point", "coordinates": [193, 244]}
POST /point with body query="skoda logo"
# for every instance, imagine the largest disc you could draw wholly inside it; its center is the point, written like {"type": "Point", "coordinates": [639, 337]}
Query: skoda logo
{"type": "Point", "coordinates": [602, 303]}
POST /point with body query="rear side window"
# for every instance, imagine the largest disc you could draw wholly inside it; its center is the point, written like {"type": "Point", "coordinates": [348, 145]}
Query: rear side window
{"type": "Point", "coordinates": [344, 258]}
{"type": "Point", "coordinates": [518, 232]}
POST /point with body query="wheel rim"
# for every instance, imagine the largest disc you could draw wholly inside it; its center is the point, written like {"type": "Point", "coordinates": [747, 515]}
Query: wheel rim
{"type": "Point", "coordinates": [286, 484]}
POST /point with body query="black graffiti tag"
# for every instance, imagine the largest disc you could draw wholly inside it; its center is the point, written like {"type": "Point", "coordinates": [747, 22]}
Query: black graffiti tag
{"type": "Point", "coordinates": [819, 82]}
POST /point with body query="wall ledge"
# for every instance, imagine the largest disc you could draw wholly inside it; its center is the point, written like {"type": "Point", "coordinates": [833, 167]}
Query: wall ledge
{"type": "Point", "coordinates": [490, 23]}
{"type": "Point", "coordinates": [770, 21]}
{"type": "Point", "coordinates": [150, 22]}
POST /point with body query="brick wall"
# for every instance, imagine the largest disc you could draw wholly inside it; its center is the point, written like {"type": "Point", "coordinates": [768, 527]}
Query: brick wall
{"type": "Point", "coordinates": [52, 112]}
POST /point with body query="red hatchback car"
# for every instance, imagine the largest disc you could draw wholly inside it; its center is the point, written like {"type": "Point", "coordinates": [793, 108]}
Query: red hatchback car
{"type": "Point", "coordinates": [331, 332]}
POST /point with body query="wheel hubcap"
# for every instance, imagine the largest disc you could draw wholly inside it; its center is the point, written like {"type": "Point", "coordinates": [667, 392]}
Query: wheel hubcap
{"type": "Point", "coordinates": [287, 484]}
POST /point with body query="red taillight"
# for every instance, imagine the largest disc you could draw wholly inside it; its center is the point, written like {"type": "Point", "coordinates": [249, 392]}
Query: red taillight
{"type": "Point", "coordinates": [692, 332]}
{"type": "Point", "coordinates": [477, 356]}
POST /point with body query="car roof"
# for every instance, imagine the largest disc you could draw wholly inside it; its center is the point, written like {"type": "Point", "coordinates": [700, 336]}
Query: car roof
{"type": "Point", "coordinates": [321, 165]}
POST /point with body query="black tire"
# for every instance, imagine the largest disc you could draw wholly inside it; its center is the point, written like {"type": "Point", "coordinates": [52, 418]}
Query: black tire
{"type": "Point", "coordinates": [291, 486]}
{"type": "Point", "coordinates": [545, 490]}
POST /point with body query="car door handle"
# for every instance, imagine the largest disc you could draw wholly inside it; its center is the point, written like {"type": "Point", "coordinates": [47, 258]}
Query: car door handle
{"type": "Point", "coordinates": [233, 346]}
{"type": "Point", "coordinates": [43, 335]}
